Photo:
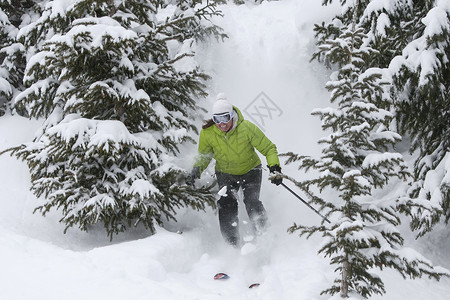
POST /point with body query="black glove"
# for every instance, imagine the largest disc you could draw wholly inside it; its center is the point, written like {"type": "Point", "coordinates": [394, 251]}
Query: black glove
{"type": "Point", "coordinates": [277, 179]}
{"type": "Point", "coordinates": [195, 174]}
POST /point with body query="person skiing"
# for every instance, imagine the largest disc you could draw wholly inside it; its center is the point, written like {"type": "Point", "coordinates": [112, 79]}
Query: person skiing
{"type": "Point", "coordinates": [231, 141]}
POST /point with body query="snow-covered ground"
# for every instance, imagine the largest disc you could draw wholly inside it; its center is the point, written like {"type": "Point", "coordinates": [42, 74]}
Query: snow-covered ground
{"type": "Point", "coordinates": [264, 66]}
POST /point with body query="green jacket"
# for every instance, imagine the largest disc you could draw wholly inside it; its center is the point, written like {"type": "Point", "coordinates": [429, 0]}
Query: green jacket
{"type": "Point", "coordinates": [234, 151]}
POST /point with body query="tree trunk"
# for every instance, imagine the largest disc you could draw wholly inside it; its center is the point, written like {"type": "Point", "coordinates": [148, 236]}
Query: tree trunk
{"type": "Point", "coordinates": [345, 273]}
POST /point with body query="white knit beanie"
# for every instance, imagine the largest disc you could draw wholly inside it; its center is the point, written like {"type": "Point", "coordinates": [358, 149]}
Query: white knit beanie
{"type": "Point", "coordinates": [222, 105]}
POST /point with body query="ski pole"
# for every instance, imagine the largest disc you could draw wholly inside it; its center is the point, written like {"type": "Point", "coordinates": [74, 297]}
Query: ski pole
{"type": "Point", "coordinates": [307, 204]}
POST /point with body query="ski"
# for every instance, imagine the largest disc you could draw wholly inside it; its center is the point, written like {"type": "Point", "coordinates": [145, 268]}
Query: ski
{"type": "Point", "coordinates": [223, 276]}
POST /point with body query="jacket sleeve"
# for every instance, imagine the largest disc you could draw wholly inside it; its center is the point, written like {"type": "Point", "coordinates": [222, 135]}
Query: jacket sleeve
{"type": "Point", "coordinates": [205, 152]}
{"type": "Point", "coordinates": [259, 140]}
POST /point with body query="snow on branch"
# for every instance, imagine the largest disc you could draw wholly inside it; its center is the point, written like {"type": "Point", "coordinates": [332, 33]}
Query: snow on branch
{"type": "Point", "coordinates": [375, 159]}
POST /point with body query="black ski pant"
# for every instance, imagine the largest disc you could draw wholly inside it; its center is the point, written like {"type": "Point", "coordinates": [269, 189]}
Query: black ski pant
{"type": "Point", "coordinates": [228, 203]}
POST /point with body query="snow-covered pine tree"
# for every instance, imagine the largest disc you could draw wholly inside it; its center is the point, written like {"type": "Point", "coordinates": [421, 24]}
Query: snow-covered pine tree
{"type": "Point", "coordinates": [412, 40]}
{"type": "Point", "coordinates": [385, 23]}
{"type": "Point", "coordinates": [356, 163]}
{"type": "Point", "coordinates": [422, 89]}
{"type": "Point", "coordinates": [12, 61]}
{"type": "Point", "coordinates": [5, 40]}
{"type": "Point", "coordinates": [118, 87]}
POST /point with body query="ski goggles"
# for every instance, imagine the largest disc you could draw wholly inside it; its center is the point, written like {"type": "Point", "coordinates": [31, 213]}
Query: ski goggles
{"type": "Point", "coordinates": [222, 118]}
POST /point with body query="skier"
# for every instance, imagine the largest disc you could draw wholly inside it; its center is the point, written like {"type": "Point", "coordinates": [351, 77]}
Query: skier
{"type": "Point", "coordinates": [232, 142]}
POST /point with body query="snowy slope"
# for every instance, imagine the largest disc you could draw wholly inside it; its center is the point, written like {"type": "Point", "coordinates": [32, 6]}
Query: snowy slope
{"type": "Point", "coordinates": [268, 52]}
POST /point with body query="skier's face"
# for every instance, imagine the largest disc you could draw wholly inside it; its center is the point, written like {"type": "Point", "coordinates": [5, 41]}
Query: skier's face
{"type": "Point", "coordinates": [225, 127]}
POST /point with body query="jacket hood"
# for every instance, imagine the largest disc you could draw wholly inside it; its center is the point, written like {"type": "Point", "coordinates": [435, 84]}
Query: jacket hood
{"type": "Point", "coordinates": [237, 118]}
{"type": "Point", "coordinates": [239, 114]}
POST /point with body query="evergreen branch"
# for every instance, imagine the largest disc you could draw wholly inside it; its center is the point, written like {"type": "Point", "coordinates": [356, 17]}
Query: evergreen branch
{"type": "Point", "coordinates": [304, 186]}
{"type": "Point", "coordinates": [12, 149]}
{"type": "Point", "coordinates": [292, 157]}
{"type": "Point", "coordinates": [168, 64]}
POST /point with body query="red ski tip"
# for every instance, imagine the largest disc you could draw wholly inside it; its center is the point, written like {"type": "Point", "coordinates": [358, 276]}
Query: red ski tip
{"type": "Point", "coordinates": [220, 276]}
{"type": "Point", "coordinates": [253, 285]}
